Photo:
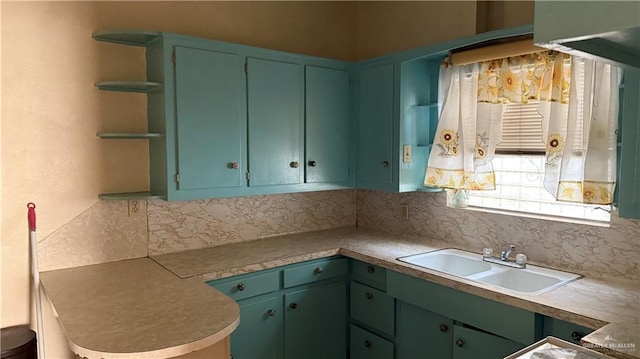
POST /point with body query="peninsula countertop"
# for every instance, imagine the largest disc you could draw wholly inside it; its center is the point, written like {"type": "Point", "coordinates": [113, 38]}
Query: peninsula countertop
{"type": "Point", "coordinates": [137, 309]}
{"type": "Point", "coordinates": [612, 306]}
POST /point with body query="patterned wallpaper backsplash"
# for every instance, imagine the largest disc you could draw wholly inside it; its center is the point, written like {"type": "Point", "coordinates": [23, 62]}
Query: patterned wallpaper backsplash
{"type": "Point", "coordinates": [102, 233]}
{"type": "Point", "coordinates": [588, 250]}
{"type": "Point", "coordinates": [105, 232]}
{"type": "Point", "coordinates": [179, 226]}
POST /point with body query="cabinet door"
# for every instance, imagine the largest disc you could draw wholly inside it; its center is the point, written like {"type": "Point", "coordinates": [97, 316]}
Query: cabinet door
{"type": "Point", "coordinates": [327, 125]}
{"type": "Point", "coordinates": [316, 322]}
{"type": "Point", "coordinates": [422, 334]}
{"type": "Point", "coordinates": [275, 122]}
{"type": "Point", "coordinates": [628, 191]}
{"type": "Point", "coordinates": [564, 330]}
{"type": "Point", "coordinates": [258, 334]}
{"type": "Point", "coordinates": [473, 344]}
{"type": "Point", "coordinates": [366, 345]}
{"type": "Point", "coordinates": [375, 126]}
{"type": "Point", "coordinates": [210, 130]}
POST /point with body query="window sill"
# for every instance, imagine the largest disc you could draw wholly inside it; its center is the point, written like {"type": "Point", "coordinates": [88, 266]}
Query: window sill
{"type": "Point", "coordinates": [538, 216]}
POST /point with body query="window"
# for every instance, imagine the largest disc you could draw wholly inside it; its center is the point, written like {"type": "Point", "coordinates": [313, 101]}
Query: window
{"type": "Point", "coordinates": [519, 166]}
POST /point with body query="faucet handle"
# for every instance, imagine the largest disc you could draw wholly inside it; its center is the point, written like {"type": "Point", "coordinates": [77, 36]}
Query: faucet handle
{"type": "Point", "coordinates": [521, 258]}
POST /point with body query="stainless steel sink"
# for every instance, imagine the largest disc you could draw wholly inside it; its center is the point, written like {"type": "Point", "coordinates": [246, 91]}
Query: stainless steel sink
{"type": "Point", "coordinates": [531, 280]}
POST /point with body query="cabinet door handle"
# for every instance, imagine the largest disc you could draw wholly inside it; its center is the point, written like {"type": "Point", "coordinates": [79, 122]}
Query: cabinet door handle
{"type": "Point", "coordinates": [460, 343]}
{"type": "Point", "coordinates": [368, 295]}
{"type": "Point", "coordinates": [385, 163]}
{"type": "Point", "coordinates": [293, 305]}
{"type": "Point", "coordinates": [293, 164]}
{"type": "Point", "coordinates": [443, 327]}
{"type": "Point", "coordinates": [311, 163]}
{"type": "Point", "coordinates": [240, 287]}
{"type": "Point", "coordinates": [370, 269]}
{"type": "Point", "coordinates": [577, 336]}
{"type": "Point", "coordinates": [368, 344]}
{"type": "Point", "coordinates": [271, 312]}
{"type": "Point", "coordinates": [318, 270]}
{"type": "Point", "coordinates": [234, 165]}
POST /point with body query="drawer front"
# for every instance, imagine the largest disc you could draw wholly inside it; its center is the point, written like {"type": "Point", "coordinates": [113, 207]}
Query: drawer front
{"type": "Point", "coordinates": [510, 322]}
{"type": "Point", "coordinates": [248, 286]}
{"type": "Point", "coordinates": [472, 344]}
{"type": "Point", "coordinates": [369, 274]}
{"type": "Point", "coordinates": [365, 345]}
{"type": "Point", "coordinates": [309, 273]}
{"type": "Point", "coordinates": [372, 307]}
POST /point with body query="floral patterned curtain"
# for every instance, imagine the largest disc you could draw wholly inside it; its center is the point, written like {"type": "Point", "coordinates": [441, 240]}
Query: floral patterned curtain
{"type": "Point", "coordinates": [582, 151]}
{"type": "Point", "coordinates": [474, 99]}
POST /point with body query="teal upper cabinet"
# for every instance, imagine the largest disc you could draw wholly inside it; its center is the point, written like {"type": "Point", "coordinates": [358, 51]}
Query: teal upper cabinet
{"type": "Point", "coordinates": [606, 30]}
{"type": "Point", "coordinates": [130, 38]}
{"type": "Point", "coordinates": [233, 120]}
{"type": "Point", "coordinates": [328, 125]}
{"type": "Point", "coordinates": [397, 107]}
{"type": "Point", "coordinates": [375, 155]}
{"type": "Point", "coordinates": [275, 122]}
{"type": "Point", "coordinates": [628, 191]}
{"type": "Point", "coordinates": [209, 89]}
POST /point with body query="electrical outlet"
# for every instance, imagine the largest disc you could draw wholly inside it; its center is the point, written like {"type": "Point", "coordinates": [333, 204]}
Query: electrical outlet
{"type": "Point", "coordinates": [404, 210]}
{"type": "Point", "coordinates": [134, 208]}
{"type": "Point", "coordinates": [406, 153]}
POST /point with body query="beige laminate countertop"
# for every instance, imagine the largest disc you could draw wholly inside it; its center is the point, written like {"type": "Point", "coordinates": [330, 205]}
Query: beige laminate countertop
{"type": "Point", "coordinates": [612, 306]}
{"type": "Point", "coordinates": [137, 309]}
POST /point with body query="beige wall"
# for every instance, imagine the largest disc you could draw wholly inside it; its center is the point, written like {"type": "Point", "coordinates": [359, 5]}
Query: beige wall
{"type": "Point", "coordinates": [388, 26]}
{"type": "Point", "coordinates": [51, 110]}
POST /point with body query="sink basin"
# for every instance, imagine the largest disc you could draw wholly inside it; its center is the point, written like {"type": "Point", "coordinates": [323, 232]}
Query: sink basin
{"type": "Point", "coordinates": [452, 261]}
{"type": "Point", "coordinates": [531, 280]}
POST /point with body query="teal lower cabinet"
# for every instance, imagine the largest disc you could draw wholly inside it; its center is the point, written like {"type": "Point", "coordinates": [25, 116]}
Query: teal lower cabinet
{"type": "Point", "coordinates": [291, 312]}
{"type": "Point", "coordinates": [564, 330]}
{"type": "Point", "coordinates": [314, 322]}
{"type": "Point", "coordinates": [442, 322]}
{"type": "Point", "coordinates": [257, 335]}
{"type": "Point", "coordinates": [366, 345]}
{"type": "Point", "coordinates": [372, 308]}
{"type": "Point", "coordinates": [470, 343]}
{"type": "Point", "coordinates": [422, 333]}
{"type": "Point", "coordinates": [337, 308]}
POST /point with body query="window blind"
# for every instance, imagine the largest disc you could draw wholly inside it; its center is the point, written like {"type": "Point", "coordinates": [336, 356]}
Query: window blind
{"type": "Point", "coordinates": [522, 129]}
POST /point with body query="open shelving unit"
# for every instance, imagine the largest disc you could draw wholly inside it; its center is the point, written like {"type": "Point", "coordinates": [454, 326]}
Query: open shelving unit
{"type": "Point", "coordinates": [128, 86]}
{"type": "Point", "coordinates": [129, 38]}
{"type": "Point", "coordinates": [129, 136]}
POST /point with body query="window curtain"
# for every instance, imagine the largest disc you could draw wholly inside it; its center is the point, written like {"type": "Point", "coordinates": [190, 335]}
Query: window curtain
{"type": "Point", "coordinates": [475, 97]}
{"type": "Point", "coordinates": [581, 149]}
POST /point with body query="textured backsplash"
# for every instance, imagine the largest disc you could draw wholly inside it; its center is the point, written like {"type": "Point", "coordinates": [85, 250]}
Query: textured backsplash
{"type": "Point", "coordinates": [588, 250]}
{"type": "Point", "coordinates": [179, 226]}
{"type": "Point", "coordinates": [102, 233]}
{"type": "Point", "coordinates": [105, 232]}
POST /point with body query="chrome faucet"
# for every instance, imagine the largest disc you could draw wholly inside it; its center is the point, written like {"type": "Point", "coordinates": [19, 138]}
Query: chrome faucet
{"type": "Point", "coordinates": [504, 255]}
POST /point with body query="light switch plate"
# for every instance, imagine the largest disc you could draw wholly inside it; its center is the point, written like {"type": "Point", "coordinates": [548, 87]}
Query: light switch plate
{"type": "Point", "coordinates": [406, 153]}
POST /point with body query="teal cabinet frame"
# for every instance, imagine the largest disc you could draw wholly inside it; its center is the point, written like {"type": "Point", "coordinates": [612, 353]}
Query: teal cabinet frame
{"type": "Point", "coordinates": [405, 83]}
{"type": "Point", "coordinates": [273, 123]}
